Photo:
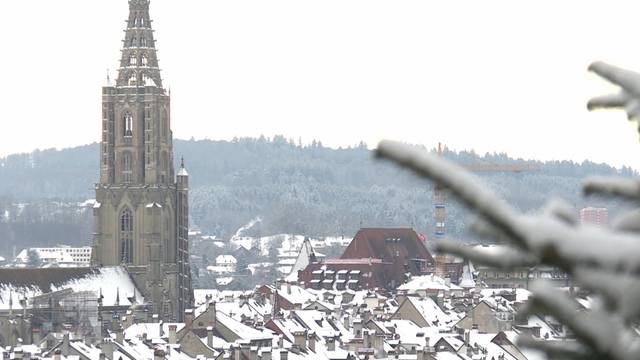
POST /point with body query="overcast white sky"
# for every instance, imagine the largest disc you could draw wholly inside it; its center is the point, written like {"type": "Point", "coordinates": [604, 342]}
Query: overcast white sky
{"type": "Point", "coordinates": [488, 75]}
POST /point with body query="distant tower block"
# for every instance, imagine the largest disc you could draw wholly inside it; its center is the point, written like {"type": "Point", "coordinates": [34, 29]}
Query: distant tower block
{"type": "Point", "coordinates": [141, 214]}
{"type": "Point", "coordinates": [594, 216]}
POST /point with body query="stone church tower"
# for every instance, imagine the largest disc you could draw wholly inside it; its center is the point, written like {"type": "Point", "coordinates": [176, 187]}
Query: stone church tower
{"type": "Point", "coordinates": [141, 214]}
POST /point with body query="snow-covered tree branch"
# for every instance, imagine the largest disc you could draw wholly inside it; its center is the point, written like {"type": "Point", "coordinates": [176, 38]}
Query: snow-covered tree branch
{"type": "Point", "coordinates": [603, 261]}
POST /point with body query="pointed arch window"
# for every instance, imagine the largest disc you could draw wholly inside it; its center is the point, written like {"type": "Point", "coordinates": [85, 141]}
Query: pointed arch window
{"type": "Point", "coordinates": [143, 42]}
{"type": "Point", "coordinates": [126, 236]}
{"type": "Point", "coordinates": [143, 60]}
{"type": "Point", "coordinates": [127, 125]}
{"type": "Point", "coordinates": [133, 79]}
{"type": "Point", "coordinates": [133, 61]}
{"type": "Point", "coordinates": [133, 41]}
{"type": "Point", "coordinates": [127, 171]}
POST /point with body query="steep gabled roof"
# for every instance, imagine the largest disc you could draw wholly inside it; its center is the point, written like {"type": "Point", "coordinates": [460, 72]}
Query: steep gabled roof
{"type": "Point", "coordinates": [382, 243]}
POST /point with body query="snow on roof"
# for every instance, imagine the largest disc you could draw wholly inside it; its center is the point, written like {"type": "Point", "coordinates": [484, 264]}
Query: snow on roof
{"type": "Point", "coordinates": [183, 172]}
{"type": "Point", "coordinates": [240, 329]}
{"type": "Point", "coordinates": [112, 281]}
{"type": "Point", "coordinates": [297, 294]}
{"type": "Point", "coordinates": [428, 282]}
{"type": "Point", "coordinates": [467, 281]}
{"type": "Point", "coordinates": [304, 258]}
{"type": "Point", "coordinates": [226, 259]}
{"type": "Point", "coordinates": [522, 295]}
{"type": "Point", "coordinates": [17, 284]}
{"type": "Point", "coordinates": [432, 313]}
{"type": "Point", "coordinates": [151, 329]}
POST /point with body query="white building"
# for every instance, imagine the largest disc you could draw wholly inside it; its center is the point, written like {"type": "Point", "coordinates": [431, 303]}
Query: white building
{"type": "Point", "coordinates": [227, 262]}
{"type": "Point", "coordinates": [63, 256]}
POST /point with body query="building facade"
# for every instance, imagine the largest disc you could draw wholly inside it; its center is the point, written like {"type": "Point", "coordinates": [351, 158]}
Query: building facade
{"type": "Point", "coordinates": [594, 216]}
{"type": "Point", "coordinates": [141, 210]}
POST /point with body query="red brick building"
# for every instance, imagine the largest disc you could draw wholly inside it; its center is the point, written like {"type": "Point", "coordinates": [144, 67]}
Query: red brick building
{"type": "Point", "coordinates": [375, 258]}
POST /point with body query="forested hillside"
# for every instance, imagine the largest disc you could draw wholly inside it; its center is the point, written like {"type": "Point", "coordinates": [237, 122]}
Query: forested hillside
{"type": "Point", "coordinates": [311, 190]}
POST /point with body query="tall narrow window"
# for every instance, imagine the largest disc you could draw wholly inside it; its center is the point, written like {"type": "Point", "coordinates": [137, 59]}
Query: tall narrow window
{"type": "Point", "coordinates": [165, 126]}
{"type": "Point", "coordinates": [143, 60]}
{"type": "Point", "coordinates": [126, 168]}
{"type": "Point", "coordinates": [128, 125]}
{"type": "Point", "coordinates": [133, 41]}
{"type": "Point", "coordinates": [126, 237]}
{"type": "Point", "coordinates": [143, 42]}
{"type": "Point", "coordinates": [133, 61]}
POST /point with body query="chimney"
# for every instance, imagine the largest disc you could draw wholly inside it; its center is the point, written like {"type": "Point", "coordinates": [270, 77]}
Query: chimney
{"type": "Point", "coordinates": [17, 353]}
{"type": "Point", "coordinates": [331, 343]}
{"type": "Point", "coordinates": [210, 336]}
{"type": "Point", "coordinates": [158, 354]}
{"type": "Point", "coordinates": [107, 348]}
{"type": "Point", "coordinates": [65, 344]}
{"type": "Point", "coordinates": [253, 353]}
{"type": "Point", "coordinates": [36, 336]}
{"type": "Point", "coordinates": [245, 349]}
{"type": "Point", "coordinates": [266, 354]}
{"type": "Point", "coordinates": [366, 339]}
{"type": "Point", "coordinates": [119, 336]}
{"type": "Point", "coordinates": [284, 354]}
{"type": "Point", "coordinates": [312, 341]}
{"type": "Point", "coordinates": [366, 315]}
{"type": "Point", "coordinates": [299, 339]}
{"type": "Point", "coordinates": [172, 333]}
{"type": "Point", "coordinates": [212, 308]}
{"type": "Point", "coordinates": [378, 346]}
{"type": "Point", "coordinates": [357, 327]}
{"type": "Point", "coordinates": [188, 318]}
{"type": "Point", "coordinates": [237, 355]}
{"type": "Point", "coordinates": [289, 288]}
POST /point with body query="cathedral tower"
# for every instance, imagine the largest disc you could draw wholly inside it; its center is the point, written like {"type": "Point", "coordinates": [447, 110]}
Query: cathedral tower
{"type": "Point", "coordinates": [141, 214]}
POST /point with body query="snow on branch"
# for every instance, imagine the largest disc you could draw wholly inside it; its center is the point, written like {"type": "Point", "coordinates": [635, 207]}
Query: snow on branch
{"type": "Point", "coordinates": [624, 188]}
{"type": "Point", "coordinates": [504, 259]}
{"type": "Point", "coordinates": [453, 177]}
{"type": "Point", "coordinates": [627, 98]}
{"type": "Point", "coordinates": [604, 261]}
{"type": "Point", "coordinates": [548, 237]}
{"type": "Point", "coordinates": [606, 332]}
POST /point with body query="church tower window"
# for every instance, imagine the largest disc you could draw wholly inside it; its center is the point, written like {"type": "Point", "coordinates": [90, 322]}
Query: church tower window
{"type": "Point", "coordinates": [133, 61]}
{"type": "Point", "coordinates": [128, 125]}
{"type": "Point", "coordinates": [126, 237]}
{"type": "Point", "coordinates": [126, 168]}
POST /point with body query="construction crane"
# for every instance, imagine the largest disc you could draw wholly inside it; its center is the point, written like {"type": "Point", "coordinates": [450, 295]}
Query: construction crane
{"type": "Point", "coordinates": [440, 198]}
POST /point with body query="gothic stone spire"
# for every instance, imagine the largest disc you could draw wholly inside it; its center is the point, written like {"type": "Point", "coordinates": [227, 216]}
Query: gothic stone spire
{"type": "Point", "coordinates": [139, 63]}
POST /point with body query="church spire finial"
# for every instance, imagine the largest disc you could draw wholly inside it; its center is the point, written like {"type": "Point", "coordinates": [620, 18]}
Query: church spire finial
{"type": "Point", "coordinates": [139, 62]}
